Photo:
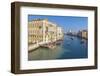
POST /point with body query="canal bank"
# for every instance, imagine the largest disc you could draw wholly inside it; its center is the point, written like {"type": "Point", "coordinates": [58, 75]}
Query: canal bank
{"type": "Point", "coordinates": [48, 44]}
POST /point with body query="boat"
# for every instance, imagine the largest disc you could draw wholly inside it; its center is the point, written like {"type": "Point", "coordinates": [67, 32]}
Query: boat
{"type": "Point", "coordinates": [58, 42]}
{"type": "Point", "coordinates": [82, 42]}
{"type": "Point", "coordinates": [44, 46]}
{"type": "Point", "coordinates": [68, 44]}
{"type": "Point", "coordinates": [50, 46]}
{"type": "Point", "coordinates": [71, 38]}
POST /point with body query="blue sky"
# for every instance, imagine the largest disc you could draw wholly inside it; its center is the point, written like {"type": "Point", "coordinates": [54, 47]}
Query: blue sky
{"type": "Point", "coordinates": [75, 23]}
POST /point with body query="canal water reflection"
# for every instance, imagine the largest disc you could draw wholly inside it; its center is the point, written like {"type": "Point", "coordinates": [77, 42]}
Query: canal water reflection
{"type": "Point", "coordinates": [70, 48]}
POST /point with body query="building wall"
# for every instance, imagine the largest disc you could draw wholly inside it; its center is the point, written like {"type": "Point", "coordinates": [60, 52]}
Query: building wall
{"type": "Point", "coordinates": [42, 30]}
{"type": "Point", "coordinates": [35, 31]}
{"type": "Point", "coordinates": [59, 33]}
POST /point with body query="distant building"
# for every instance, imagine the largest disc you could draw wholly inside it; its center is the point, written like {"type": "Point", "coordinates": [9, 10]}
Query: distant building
{"type": "Point", "coordinates": [83, 34]}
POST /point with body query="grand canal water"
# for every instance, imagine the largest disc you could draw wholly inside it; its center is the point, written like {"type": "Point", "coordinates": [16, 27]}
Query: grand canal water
{"type": "Point", "coordinates": [70, 48]}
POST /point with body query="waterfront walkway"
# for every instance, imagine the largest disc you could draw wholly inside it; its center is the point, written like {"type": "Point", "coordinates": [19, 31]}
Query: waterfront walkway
{"type": "Point", "coordinates": [32, 46]}
{"type": "Point", "coordinates": [36, 45]}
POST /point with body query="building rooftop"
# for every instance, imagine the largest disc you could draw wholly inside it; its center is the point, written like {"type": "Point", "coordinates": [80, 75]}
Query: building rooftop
{"type": "Point", "coordinates": [39, 19]}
